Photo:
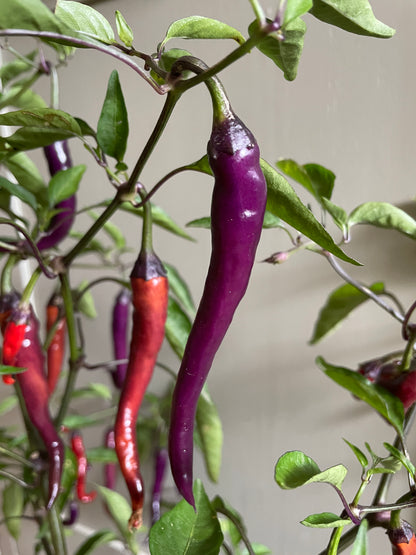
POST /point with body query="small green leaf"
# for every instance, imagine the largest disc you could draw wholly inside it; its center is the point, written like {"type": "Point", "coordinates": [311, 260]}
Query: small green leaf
{"type": "Point", "coordinates": [20, 192]}
{"type": "Point", "coordinates": [86, 303]}
{"type": "Point", "coordinates": [113, 231]}
{"type": "Point", "coordinates": [362, 459]}
{"type": "Point", "coordinates": [17, 67]}
{"type": "Point", "coordinates": [13, 504]}
{"type": "Point", "coordinates": [93, 542]}
{"type": "Point", "coordinates": [294, 468]}
{"type": "Point", "coordinates": [27, 99]}
{"type": "Point", "coordinates": [102, 455]}
{"type": "Point", "coordinates": [198, 27]}
{"type": "Point", "coordinates": [384, 402]}
{"type": "Point", "coordinates": [94, 390]}
{"type": "Point", "coordinates": [210, 431]}
{"type": "Point", "coordinates": [319, 181]}
{"type": "Point", "coordinates": [177, 327]}
{"type": "Point", "coordinates": [85, 20]}
{"type": "Point", "coordinates": [284, 51]}
{"type": "Point", "coordinates": [383, 214]}
{"type": "Point", "coordinates": [354, 16]}
{"type": "Point", "coordinates": [397, 454]}
{"type": "Point", "coordinates": [183, 530]}
{"type": "Point", "coordinates": [325, 520]}
{"type": "Point", "coordinates": [4, 369]}
{"type": "Point", "coordinates": [295, 9]}
{"type": "Point", "coordinates": [283, 202]}
{"type": "Point", "coordinates": [360, 546]}
{"type": "Point", "coordinates": [73, 421]}
{"type": "Point", "coordinates": [8, 404]}
{"type": "Point", "coordinates": [64, 184]}
{"type": "Point", "coordinates": [340, 303]}
{"type": "Point", "coordinates": [124, 30]}
{"type": "Point", "coordinates": [26, 173]}
{"type": "Point", "coordinates": [41, 118]}
{"type": "Point", "coordinates": [337, 213]}
{"type": "Point", "coordinates": [179, 288]}
{"type": "Point", "coordinates": [113, 126]}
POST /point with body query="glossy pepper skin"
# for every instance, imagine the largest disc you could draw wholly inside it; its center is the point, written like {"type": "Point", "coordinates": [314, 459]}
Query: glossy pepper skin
{"type": "Point", "coordinates": [119, 324]}
{"type": "Point", "coordinates": [78, 448]}
{"type": "Point", "coordinates": [58, 158]}
{"type": "Point", "coordinates": [13, 326]}
{"type": "Point", "coordinates": [161, 460]}
{"type": "Point", "coordinates": [150, 300]}
{"type": "Point", "coordinates": [237, 213]}
{"type": "Point", "coordinates": [56, 348]}
{"type": "Point", "coordinates": [403, 540]}
{"type": "Point", "coordinates": [34, 389]}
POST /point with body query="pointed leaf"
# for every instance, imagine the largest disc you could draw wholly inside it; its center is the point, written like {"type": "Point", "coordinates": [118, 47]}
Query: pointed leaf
{"type": "Point", "coordinates": [198, 27]}
{"type": "Point", "coordinates": [383, 214]}
{"type": "Point", "coordinates": [93, 542]}
{"type": "Point", "coordinates": [284, 52]}
{"type": "Point", "coordinates": [179, 288]}
{"type": "Point", "coordinates": [26, 174]}
{"type": "Point", "coordinates": [41, 118]}
{"type": "Point", "coordinates": [210, 431]}
{"type": "Point", "coordinates": [338, 214]}
{"type": "Point", "coordinates": [30, 14]}
{"type": "Point", "coordinates": [27, 138]}
{"type": "Point", "coordinates": [86, 303]}
{"type": "Point", "coordinates": [283, 202]}
{"type": "Point", "coordinates": [13, 504]}
{"type": "Point", "coordinates": [20, 192]}
{"type": "Point", "coordinates": [362, 459]}
{"type": "Point", "coordinates": [5, 369]}
{"type": "Point", "coordinates": [295, 9]}
{"type": "Point", "coordinates": [325, 520]}
{"type": "Point", "coordinates": [397, 454]}
{"type": "Point", "coordinates": [319, 181]}
{"type": "Point", "coordinates": [64, 184]}
{"type": "Point", "coordinates": [340, 303]}
{"type": "Point", "coordinates": [384, 402]}
{"type": "Point", "coordinates": [354, 16]}
{"type": "Point", "coordinates": [113, 231]}
{"type": "Point", "coordinates": [182, 530]}
{"type": "Point", "coordinates": [85, 20]}
{"type": "Point", "coordinates": [293, 469]}
{"type": "Point", "coordinates": [360, 546]}
{"type": "Point", "coordinates": [124, 30]}
{"type": "Point", "coordinates": [177, 327]}
{"type": "Point", "coordinates": [113, 127]}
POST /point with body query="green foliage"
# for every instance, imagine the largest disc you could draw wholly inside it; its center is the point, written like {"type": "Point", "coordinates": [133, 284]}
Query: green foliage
{"type": "Point", "coordinates": [12, 508]}
{"type": "Point", "coordinates": [209, 428]}
{"type": "Point", "coordinates": [84, 19]}
{"type": "Point", "coordinates": [360, 546]}
{"type": "Point", "coordinates": [325, 520]}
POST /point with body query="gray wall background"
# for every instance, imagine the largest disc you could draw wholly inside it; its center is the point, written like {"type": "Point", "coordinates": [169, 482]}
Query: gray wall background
{"type": "Point", "coordinates": [351, 109]}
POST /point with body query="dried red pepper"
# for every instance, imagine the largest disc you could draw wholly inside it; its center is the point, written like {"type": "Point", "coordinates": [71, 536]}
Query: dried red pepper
{"type": "Point", "coordinates": [77, 446]}
{"type": "Point", "coordinates": [150, 300]}
{"type": "Point", "coordinates": [56, 348]}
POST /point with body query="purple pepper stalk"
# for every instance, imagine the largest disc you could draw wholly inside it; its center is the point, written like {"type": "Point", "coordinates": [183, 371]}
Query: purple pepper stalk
{"type": "Point", "coordinates": [120, 320]}
{"type": "Point", "coordinates": [237, 213]}
{"type": "Point", "coordinates": [58, 157]}
{"type": "Point", "coordinates": [110, 469]}
{"type": "Point", "coordinates": [161, 460]}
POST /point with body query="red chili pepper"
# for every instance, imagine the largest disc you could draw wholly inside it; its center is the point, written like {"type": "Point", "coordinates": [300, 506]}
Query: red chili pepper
{"type": "Point", "coordinates": [77, 445]}
{"type": "Point", "coordinates": [56, 348]}
{"type": "Point", "coordinates": [150, 300]}
{"type": "Point", "coordinates": [13, 336]}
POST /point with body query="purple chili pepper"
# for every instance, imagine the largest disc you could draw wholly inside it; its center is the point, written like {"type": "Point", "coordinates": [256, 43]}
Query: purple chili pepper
{"type": "Point", "coordinates": [160, 467]}
{"type": "Point", "coordinates": [237, 212]}
{"type": "Point", "coordinates": [110, 469]}
{"type": "Point", "coordinates": [73, 514]}
{"type": "Point", "coordinates": [58, 158]}
{"type": "Point", "coordinates": [120, 319]}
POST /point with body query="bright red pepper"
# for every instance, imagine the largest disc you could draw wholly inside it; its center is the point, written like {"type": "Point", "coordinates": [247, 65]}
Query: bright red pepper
{"type": "Point", "coordinates": [56, 348]}
{"type": "Point", "coordinates": [13, 335]}
{"type": "Point", "coordinates": [150, 300]}
{"type": "Point", "coordinates": [77, 445]}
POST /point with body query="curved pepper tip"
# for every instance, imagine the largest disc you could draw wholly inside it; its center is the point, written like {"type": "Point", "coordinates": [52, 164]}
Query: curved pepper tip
{"type": "Point", "coordinates": [136, 519]}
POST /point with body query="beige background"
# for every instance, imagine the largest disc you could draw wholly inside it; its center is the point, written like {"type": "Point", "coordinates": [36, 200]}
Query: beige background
{"type": "Point", "coordinates": [351, 109]}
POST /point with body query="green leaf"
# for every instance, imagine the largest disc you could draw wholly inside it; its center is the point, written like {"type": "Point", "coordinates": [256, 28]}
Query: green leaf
{"type": "Point", "coordinates": [124, 30]}
{"type": "Point", "coordinates": [85, 20]}
{"type": "Point", "coordinates": [93, 390]}
{"type": "Point", "coordinates": [198, 27]}
{"type": "Point", "coordinates": [337, 213]}
{"type": "Point", "coordinates": [319, 181]}
{"type": "Point", "coordinates": [99, 538]}
{"type": "Point", "coordinates": [29, 14]}
{"type": "Point", "coordinates": [27, 138]}
{"type": "Point", "coordinates": [8, 404]}
{"type": "Point", "coordinates": [113, 126]}
{"type": "Point", "coordinates": [270, 222]}
{"type": "Point", "coordinates": [13, 504]}
{"type": "Point", "coordinates": [20, 192]}
{"type": "Point", "coordinates": [86, 303]}
{"type": "Point", "coordinates": [26, 174]}
{"type": "Point", "coordinates": [113, 231]}
{"type": "Point", "coordinates": [177, 327]}
{"type": "Point", "coordinates": [384, 402]}
{"type": "Point", "coordinates": [4, 369]}
{"type": "Point", "coordinates": [294, 468]}
{"type": "Point", "coordinates": [27, 99]}
{"type": "Point", "coordinates": [362, 459]}
{"type": "Point", "coordinates": [397, 454]}
{"type": "Point", "coordinates": [69, 476]}
{"type": "Point", "coordinates": [233, 516]}
{"type": "Point", "coordinates": [360, 546]}
{"type": "Point", "coordinates": [120, 510]}
{"type": "Point", "coordinates": [325, 520]}
{"type": "Point", "coordinates": [182, 530]}
{"type": "Point", "coordinates": [354, 16]}
{"type": "Point", "coordinates": [73, 421]}
{"type": "Point", "coordinates": [179, 288]}
{"type": "Point", "coordinates": [340, 303]}
{"type": "Point", "coordinates": [41, 118]}
{"type": "Point", "coordinates": [284, 51]}
{"type": "Point", "coordinates": [295, 9]}
{"type": "Point", "coordinates": [102, 455]}
{"type": "Point", "coordinates": [17, 67]}
{"type": "Point", "coordinates": [383, 214]}
{"type": "Point", "coordinates": [258, 549]}
{"type": "Point", "coordinates": [210, 431]}
{"type": "Point", "coordinates": [283, 202]}
{"type": "Point", "coordinates": [64, 184]}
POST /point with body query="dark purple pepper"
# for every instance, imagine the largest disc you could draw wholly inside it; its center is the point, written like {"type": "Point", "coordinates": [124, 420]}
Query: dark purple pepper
{"type": "Point", "coordinates": [72, 517]}
{"type": "Point", "coordinates": [120, 319]}
{"type": "Point", "coordinates": [161, 460]}
{"type": "Point", "coordinates": [58, 158]}
{"type": "Point", "coordinates": [34, 388]}
{"type": "Point", "coordinates": [237, 212]}
{"type": "Point", "coordinates": [110, 469]}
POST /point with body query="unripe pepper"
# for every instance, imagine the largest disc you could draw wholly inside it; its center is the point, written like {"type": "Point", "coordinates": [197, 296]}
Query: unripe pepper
{"type": "Point", "coordinates": [237, 213]}
{"type": "Point", "coordinates": [150, 300]}
{"type": "Point", "coordinates": [78, 448]}
{"type": "Point", "coordinates": [119, 324]}
{"type": "Point", "coordinates": [58, 158]}
{"type": "Point", "coordinates": [56, 348]}
{"type": "Point", "coordinates": [34, 390]}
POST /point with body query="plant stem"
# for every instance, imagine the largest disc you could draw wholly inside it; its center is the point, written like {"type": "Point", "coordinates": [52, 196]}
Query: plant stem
{"type": "Point", "coordinates": [27, 293]}
{"type": "Point", "coordinates": [258, 10]}
{"type": "Point", "coordinates": [237, 524]}
{"type": "Point", "coordinates": [365, 290]}
{"type": "Point", "coordinates": [57, 532]}
{"type": "Point", "coordinates": [16, 457]}
{"type": "Point", "coordinates": [6, 285]}
{"type": "Point", "coordinates": [334, 542]}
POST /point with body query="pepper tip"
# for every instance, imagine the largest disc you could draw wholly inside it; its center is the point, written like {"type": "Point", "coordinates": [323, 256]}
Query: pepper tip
{"type": "Point", "coordinates": [136, 519]}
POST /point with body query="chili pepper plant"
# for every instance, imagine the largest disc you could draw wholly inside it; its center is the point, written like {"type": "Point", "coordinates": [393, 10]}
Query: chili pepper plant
{"type": "Point", "coordinates": [140, 437]}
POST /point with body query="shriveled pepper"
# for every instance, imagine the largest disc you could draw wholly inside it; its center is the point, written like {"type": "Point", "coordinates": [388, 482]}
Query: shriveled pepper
{"type": "Point", "coordinates": [77, 445]}
{"type": "Point", "coordinates": [119, 324]}
{"type": "Point", "coordinates": [237, 213]}
{"type": "Point", "coordinates": [55, 321]}
{"type": "Point", "coordinates": [150, 300]}
{"type": "Point", "coordinates": [34, 389]}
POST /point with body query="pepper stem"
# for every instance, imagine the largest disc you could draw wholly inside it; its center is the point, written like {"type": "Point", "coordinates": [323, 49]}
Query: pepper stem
{"type": "Point", "coordinates": [27, 293]}
{"type": "Point", "coordinates": [6, 275]}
